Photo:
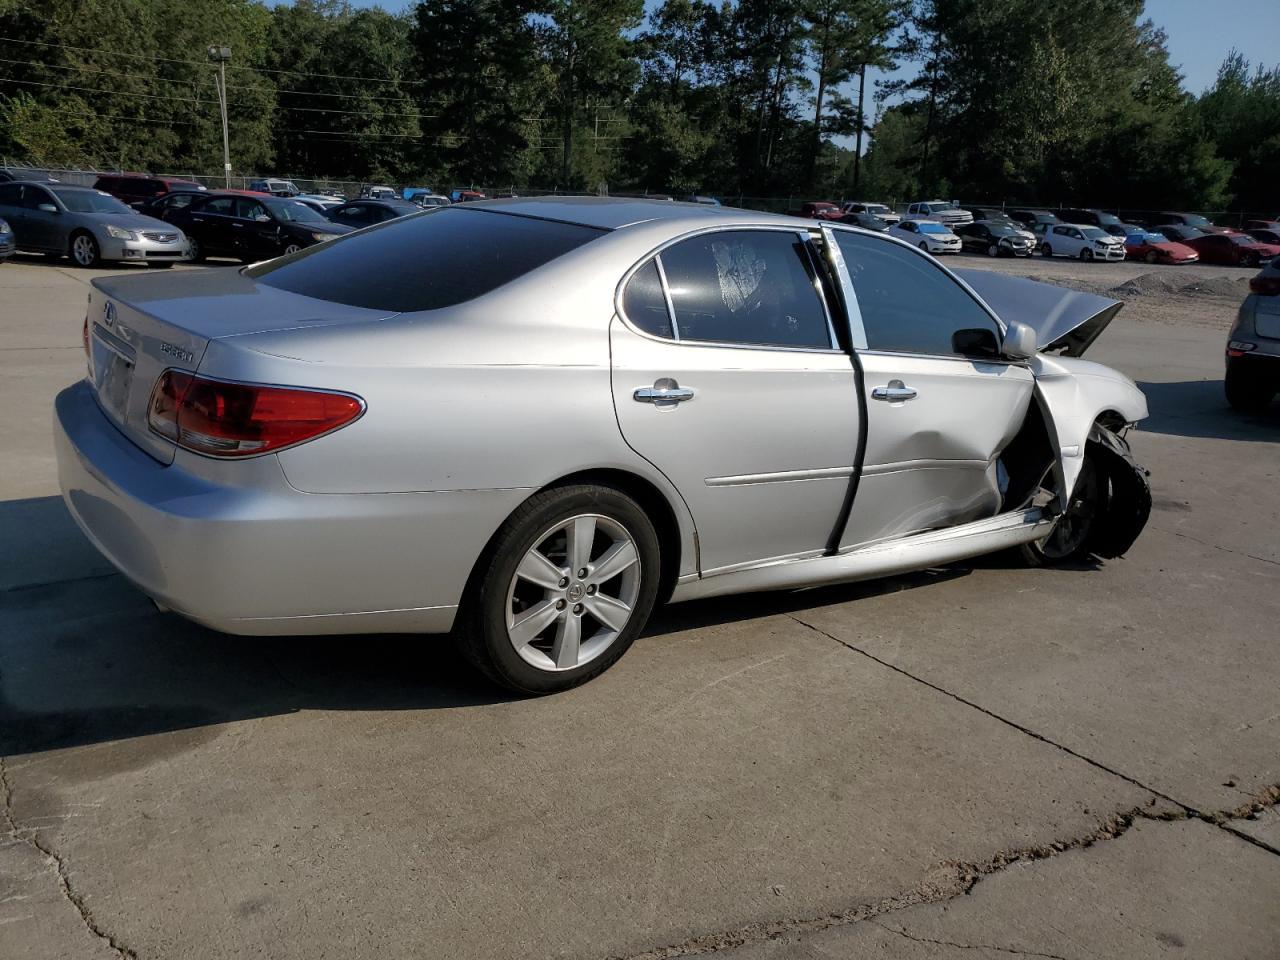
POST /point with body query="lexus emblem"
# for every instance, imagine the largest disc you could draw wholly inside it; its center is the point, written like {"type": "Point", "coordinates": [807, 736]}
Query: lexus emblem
{"type": "Point", "coordinates": [109, 314]}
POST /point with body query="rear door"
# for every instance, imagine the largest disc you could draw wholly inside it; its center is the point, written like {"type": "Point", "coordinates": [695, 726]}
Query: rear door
{"type": "Point", "coordinates": [211, 224]}
{"type": "Point", "coordinates": [257, 233]}
{"type": "Point", "coordinates": [728, 378]}
{"type": "Point", "coordinates": [12, 212]}
{"type": "Point", "coordinates": [940, 406]}
{"type": "Point", "coordinates": [42, 228]}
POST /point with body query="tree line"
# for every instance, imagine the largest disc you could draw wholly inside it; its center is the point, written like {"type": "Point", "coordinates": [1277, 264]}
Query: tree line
{"type": "Point", "coordinates": [1046, 101]}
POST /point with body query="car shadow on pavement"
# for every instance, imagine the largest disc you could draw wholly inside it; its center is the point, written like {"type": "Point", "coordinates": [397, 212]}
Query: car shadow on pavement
{"type": "Point", "coordinates": [88, 659]}
{"type": "Point", "coordinates": [1198, 408]}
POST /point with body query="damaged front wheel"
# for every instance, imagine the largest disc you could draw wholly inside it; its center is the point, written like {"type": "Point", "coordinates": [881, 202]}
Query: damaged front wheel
{"type": "Point", "coordinates": [1071, 535]}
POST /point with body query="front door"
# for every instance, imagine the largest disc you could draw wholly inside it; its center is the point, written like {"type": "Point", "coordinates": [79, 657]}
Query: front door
{"type": "Point", "coordinates": [40, 226]}
{"type": "Point", "coordinates": [727, 377]}
{"type": "Point", "coordinates": [940, 406]}
{"type": "Point", "coordinates": [257, 233]}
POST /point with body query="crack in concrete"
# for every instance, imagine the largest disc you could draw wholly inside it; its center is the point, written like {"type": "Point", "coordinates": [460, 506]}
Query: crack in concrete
{"type": "Point", "coordinates": [968, 946]}
{"type": "Point", "coordinates": [1218, 819]}
{"type": "Point", "coordinates": [33, 841]}
{"type": "Point", "coordinates": [948, 880]}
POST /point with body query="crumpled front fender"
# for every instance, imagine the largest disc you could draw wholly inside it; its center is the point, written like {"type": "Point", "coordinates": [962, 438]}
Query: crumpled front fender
{"type": "Point", "coordinates": [1074, 394]}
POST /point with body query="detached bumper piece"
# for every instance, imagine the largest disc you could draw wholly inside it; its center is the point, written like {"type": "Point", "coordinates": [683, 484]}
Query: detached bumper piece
{"type": "Point", "coordinates": [1128, 508]}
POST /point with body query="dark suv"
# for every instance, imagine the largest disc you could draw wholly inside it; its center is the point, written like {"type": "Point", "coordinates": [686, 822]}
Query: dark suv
{"type": "Point", "coordinates": [1088, 215]}
{"type": "Point", "coordinates": [135, 188]}
{"type": "Point", "coordinates": [1031, 216]}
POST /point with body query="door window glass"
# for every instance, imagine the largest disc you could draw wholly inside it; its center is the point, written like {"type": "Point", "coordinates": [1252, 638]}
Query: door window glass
{"type": "Point", "coordinates": [745, 286]}
{"type": "Point", "coordinates": [10, 194]}
{"type": "Point", "coordinates": [221, 205]}
{"type": "Point", "coordinates": [644, 302]}
{"type": "Point", "coordinates": [248, 209]}
{"type": "Point", "coordinates": [908, 303]}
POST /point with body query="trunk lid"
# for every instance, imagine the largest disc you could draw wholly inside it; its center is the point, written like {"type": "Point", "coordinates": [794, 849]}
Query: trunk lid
{"type": "Point", "coordinates": [141, 326]}
{"type": "Point", "coordinates": [1064, 320]}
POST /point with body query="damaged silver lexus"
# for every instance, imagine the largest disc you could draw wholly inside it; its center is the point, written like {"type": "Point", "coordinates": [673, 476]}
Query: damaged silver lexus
{"type": "Point", "coordinates": [528, 421]}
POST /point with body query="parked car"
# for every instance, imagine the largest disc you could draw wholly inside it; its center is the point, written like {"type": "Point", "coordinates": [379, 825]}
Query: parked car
{"type": "Point", "coordinates": [995, 239]}
{"type": "Point", "coordinates": [866, 221]}
{"type": "Point", "coordinates": [322, 199]}
{"type": "Point", "coordinates": [928, 235]}
{"type": "Point", "coordinates": [1253, 345]}
{"type": "Point", "coordinates": [816, 210]}
{"type": "Point", "coordinates": [88, 225]}
{"type": "Point", "coordinates": [136, 188]}
{"type": "Point", "coordinates": [160, 207]}
{"type": "Point", "coordinates": [940, 211]}
{"type": "Point", "coordinates": [364, 213]}
{"type": "Point", "coordinates": [1269, 235]}
{"type": "Point", "coordinates": [7, 245]}
{"type": "Point", "coordinates": [347, 437]}
{"type": "Point", "coordinates": [275, 186]}
{"type": "Point", "coordinates": [466, 196]}
{"type": "Point", "coordinates": [881, 211]}
{"type": "Point", "coordinates": [1227, 249]}
{"type": "Point", "coordinates": [26, 175]}
{"type": "Point", "coordinates": [1154, 247]}
{"type": "Point", "coordinates": [1162, 218]}
{"type": "Point", "coordinates": [1122, 229]}
{"type": "Point", "coordinates": [412, 193]}
{"type": "Point", "coordinates": [1251, 225]}
{"type": "Point", "coordinates": [252, 228]}
{"type": "Point", "coordinates": [1081, 240]}
{"type": "Point", "coordinates": [995, 215]}
{"type": "Point", "coordinates": [374, 192]}
{"type": "Point", "coordinates": [698, 198]}
{"type": "Point", "coordinates": [1091, 216]}
{"type": "Point", "coordinates": [1030, 217]}
{"type": "Point", "coordinates": [429, 201]}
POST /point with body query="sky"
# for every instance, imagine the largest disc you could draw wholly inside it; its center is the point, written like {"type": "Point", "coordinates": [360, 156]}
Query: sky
{"type": "Point", "coordinates": [1201, 32]}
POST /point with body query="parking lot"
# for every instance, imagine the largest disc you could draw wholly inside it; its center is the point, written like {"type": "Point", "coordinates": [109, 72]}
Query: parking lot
{"type": "Point", "coordinates": [971, 762]}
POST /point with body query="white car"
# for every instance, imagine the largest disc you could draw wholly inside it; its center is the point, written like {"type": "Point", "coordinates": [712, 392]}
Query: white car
{"type": "Point", "coordinates": [928, 235]}
{"type": "Point", "coordinates": [881, 210]}
{"type": "Point", "coordinates": [1081, 240]}
{"type": "Point", "coordinates": [943, 211]}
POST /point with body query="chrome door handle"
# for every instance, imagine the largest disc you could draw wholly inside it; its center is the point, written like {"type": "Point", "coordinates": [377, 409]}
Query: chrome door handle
{"type": "Point", "coordinates": [664, 392]}
{"type": "Point", "coordinates": [896, 391]}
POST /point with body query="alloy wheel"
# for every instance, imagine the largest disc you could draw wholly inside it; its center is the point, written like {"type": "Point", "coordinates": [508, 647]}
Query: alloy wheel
{"type": "Point", "coordinates": [993, 250]}
{"type": "Point", "coordinates": [84, 250]}
{"type": "Point", "coordinates": [291, 248]}
{"type": "Point", "coordinates": [573, 592]}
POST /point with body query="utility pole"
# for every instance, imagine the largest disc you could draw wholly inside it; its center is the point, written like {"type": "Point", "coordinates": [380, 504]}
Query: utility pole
{"type": "Point", "coordinates": [857, 149]}
{"type": "Point", "coordinates": [220, 56]}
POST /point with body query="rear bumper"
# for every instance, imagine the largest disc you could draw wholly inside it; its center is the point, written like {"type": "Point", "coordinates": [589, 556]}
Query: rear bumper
{"type": "Point", "coordinates": [252, 555]}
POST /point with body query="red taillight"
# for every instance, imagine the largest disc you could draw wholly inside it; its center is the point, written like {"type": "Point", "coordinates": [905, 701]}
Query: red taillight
{"type": "Point", "coordinates": [242, 419]}
{"type": "Point", "coordinates": [1268, 286]}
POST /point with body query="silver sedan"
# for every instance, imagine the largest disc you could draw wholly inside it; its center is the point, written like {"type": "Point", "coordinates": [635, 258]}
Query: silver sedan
{"type": "Point", "coordinates": [528, 421]}
{"type": "Point", "coordinates": [86, 224]}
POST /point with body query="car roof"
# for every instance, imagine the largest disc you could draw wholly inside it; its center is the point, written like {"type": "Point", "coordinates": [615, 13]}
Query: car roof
{"type": "Point", "coordinates": [612, 213]}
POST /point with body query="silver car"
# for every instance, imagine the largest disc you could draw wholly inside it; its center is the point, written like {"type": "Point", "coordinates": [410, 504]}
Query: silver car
{"type": "Point", "coordinates": [87, 224]}
{"type": "Point", "coordinates": [528, 421]}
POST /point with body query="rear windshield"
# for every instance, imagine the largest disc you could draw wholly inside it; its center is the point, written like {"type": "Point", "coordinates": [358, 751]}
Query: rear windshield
{"type": "Point", "coordinates": [427, 261]}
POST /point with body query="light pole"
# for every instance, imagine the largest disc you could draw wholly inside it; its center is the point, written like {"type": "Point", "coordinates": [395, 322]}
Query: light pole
{"type": "Point", "coordinates": [220, 56]}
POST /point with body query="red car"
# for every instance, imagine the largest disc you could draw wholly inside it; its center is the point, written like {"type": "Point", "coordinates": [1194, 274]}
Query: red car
{"type": "Point", "coordinates": [1235, 249]}
{"type": "Point", "coordinates": [1269, 234]}
{"type": "Point", "coordinates": [818, 210]}
{"type": "Point", "coordinates": [1155, 247]}
{"type": "Point", "coordinates": [137, 188]}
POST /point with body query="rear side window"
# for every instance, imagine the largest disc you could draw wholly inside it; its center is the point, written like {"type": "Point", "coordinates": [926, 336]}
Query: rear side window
{"type": "Point", "coordinates": [425, 262]}
{"type": "Point", "coordinates": [644, 302]}
{"type": "Point", "coordinates": [745, 286]}
{"type": "Point", "coordinates": [10, 194]}
{"type": "Point", "coordinates": [908, 303]}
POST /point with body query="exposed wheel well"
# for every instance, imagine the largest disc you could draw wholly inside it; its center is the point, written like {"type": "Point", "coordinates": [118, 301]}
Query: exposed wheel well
{"type": "Point", "coordinates": [1112, 420]}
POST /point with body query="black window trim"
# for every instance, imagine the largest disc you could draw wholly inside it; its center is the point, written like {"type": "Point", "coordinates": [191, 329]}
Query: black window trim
{"type": "Point", "coordinates": [656, 254]}
{"type": "Point", "coordinates": [859, 331]}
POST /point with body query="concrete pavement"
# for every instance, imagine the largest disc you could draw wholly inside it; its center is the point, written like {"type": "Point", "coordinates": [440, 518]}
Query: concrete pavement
{"type": "Point", "coordinates": [977, 760]}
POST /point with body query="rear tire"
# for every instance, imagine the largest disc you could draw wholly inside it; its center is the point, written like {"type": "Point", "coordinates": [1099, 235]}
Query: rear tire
{"type": "Point", "coordinates": [1152, 256]}
{"type": "Point", "coordinates": [1086, 254]}
{"type": "Point", "coordinates": [1071, 535]}
{"type": "Point", "coordinates": [993, 250]}
{"type": "Point", "coordinates": [194, 250]}
{"type": "Point", "coordinates": [1247, 392]}
{"type": "Point", "coordinates": [1046, 251]}
{"type": "Point", "coordinates": [292, 248]}
{"type": "Point", "coordinates": [532, 621]}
